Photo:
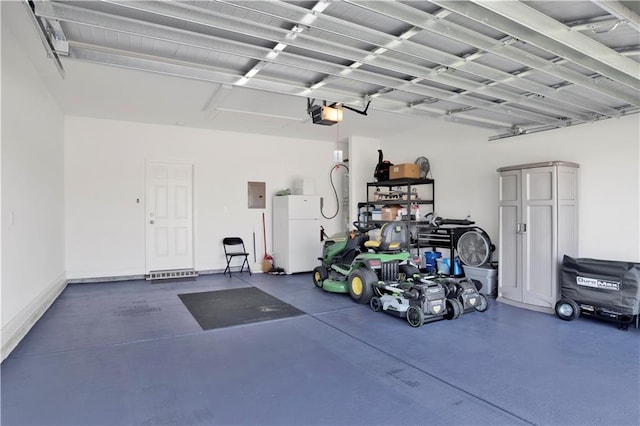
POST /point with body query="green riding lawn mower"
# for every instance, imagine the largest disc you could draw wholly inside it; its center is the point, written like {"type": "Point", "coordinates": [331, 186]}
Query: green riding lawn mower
{"type": "Point", "coordinates": [375, 267]}
{"type": "Point", "coordinates": [352, 263]}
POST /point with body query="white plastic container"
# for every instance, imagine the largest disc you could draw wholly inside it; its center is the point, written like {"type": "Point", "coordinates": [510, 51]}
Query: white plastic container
{"type": "Point", "coordinates": [486, 275]}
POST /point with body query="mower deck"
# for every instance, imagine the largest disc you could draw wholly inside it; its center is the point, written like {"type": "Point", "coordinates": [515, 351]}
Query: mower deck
{"type": "Point", "coordinates": [334, 286]}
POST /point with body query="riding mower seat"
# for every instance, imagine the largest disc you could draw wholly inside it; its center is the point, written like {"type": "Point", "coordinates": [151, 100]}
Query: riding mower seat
{"type": "Point", "coordinates": [392, 238]}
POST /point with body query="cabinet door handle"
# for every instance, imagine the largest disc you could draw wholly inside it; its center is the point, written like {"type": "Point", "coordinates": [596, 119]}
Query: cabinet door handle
{"type": "Point", "coordinates": [524, 228]}
{"type": "Point", "coordinates": [518, 228]}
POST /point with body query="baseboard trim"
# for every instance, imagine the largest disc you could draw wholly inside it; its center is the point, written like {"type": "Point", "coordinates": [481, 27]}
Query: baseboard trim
{"type": "Point", "coordinates": [18, 327]}
{"type": "Point", "coordinates": [526, 306]}
{"type": "Point", "coordinates": [106, 279]}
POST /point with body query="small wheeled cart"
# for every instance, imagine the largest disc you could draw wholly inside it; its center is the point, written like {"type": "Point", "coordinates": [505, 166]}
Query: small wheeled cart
{"type": "Point", "coordinates": [603, 289]}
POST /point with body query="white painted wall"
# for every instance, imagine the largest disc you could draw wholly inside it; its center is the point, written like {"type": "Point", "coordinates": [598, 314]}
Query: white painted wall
{"type": "Point", "coordinates": [363, 157]}
{"type": "Point", "coordinates": [464, 166]}
{"type": "Point", "coordinates": [32, 195]}
{"type": "Point", "coordinates": [104, 175]}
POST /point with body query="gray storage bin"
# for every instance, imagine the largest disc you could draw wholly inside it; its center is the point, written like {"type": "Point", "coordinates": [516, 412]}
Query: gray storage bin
{"type": "Point", "coordinates": [487, 275]}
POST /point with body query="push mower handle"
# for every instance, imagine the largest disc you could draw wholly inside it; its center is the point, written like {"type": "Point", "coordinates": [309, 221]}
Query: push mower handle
{"type": "Point", "coordinates": [437, 221]}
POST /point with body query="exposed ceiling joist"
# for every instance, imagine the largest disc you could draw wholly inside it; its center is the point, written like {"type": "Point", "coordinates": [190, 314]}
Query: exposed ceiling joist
{"type": "Point", "coordinates": [621, 11]}
{"type": "Point", "coordinates": [514, 67]}
{"type": "Point", "coordinates": [527, 24]}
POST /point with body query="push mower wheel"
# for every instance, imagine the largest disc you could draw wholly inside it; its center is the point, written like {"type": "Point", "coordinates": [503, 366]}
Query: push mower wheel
{"type": "Point", "coordinates": [409, 271]}
{"type": "Point", "coordinates": [454, 309]}
{"type": "Point", "coordinates": [375, 304]}
{"type": "Point", "coordinates": [483, 304]}
{"type": "Point", "coordinates": [567, 309]}
{"type": "Point", "coordinates": [320, 274]}
{"type": "Point", "coordinates": [361, 285]}
{"type": "Point", "coordinates": [415, 316]}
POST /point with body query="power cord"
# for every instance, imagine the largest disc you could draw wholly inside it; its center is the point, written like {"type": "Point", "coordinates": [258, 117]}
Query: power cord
{"type": "Point", "coordinates": [335, 192]}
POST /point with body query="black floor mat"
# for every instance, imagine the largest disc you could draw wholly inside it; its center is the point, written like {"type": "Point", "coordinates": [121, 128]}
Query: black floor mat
{"type": "Point", "coordinates": [224, 308]}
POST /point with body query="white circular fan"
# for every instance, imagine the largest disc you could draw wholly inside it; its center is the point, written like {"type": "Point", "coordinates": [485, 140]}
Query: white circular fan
{"type": "Point", "coordinates": [423, 163]}
{"type": "Point", "coordinates": [474, 248]}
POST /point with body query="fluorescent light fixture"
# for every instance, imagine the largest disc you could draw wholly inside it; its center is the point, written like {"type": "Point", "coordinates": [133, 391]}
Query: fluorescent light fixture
{"type": "Point", "coordinates": [409, 33]}
{"type": "Point", "coordinates": [276, 50]}
{"type": "Point", "coordinates": [393, 43]}
{"type": "Point", "coordinates": [321, 6]}
{"type": "Point", "coordinates": [308, 19]}
{"type": "Point", "coordinates": [252, 72]}
{"type": "Point", "coordinates": [242, 81]}
{"type": "Point", "coordinates": [318, 85]}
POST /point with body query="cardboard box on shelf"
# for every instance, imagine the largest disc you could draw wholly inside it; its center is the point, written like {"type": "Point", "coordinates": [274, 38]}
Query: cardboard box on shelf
{"type": "Point", "coordinates": [404, 171]}
{"type": "Point", "coordinates": [390, 212]}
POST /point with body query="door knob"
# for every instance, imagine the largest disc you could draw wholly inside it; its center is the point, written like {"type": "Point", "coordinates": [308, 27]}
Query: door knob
{"type": "Point", "coordinates": [151, 222]}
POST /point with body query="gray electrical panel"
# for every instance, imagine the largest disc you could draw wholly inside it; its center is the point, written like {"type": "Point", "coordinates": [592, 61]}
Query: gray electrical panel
{"type": "Point", "coordinates": [256, 195]}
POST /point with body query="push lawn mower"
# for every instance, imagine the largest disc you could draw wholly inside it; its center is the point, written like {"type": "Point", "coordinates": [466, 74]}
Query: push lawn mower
{"type": "Point", "coordinates": [355, 263]}
{"type": "Point", "coordinates": [473, 246]}
{"type": "Point", "coordinates": [465, 291]}
{"type": "Point", "coordinates": [419, 300]}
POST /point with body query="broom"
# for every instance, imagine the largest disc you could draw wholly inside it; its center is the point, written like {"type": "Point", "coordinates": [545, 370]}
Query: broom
{"type": "Point", "coordinates": [267, 261]}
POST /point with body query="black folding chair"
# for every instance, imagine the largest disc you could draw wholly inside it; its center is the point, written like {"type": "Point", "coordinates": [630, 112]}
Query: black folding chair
{"type": "Point", "coordinates": [234, 247]}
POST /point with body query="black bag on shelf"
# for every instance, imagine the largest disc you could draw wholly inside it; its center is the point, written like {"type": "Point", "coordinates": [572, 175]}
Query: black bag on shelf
{"type": "Point", "coordinates": [381, 173]}
{"type": "Point", "coordinates": [606, 284]}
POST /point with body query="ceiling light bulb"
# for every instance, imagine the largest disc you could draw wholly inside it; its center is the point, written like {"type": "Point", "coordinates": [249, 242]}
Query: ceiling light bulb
{"type": "Point", "coordinates": [332, 114]}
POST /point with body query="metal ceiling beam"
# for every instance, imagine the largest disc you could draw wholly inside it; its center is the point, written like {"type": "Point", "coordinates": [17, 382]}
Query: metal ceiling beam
{"type": "Point", "coordinates": [79, 15]}
{"type": "Point", "coordinates": [433, 23]}
{"type": "Point", "coordinates": [74, 14]}
{"type": "Point", "coordinates": [181, 69]}
{"type": "Point", "coordinates": [621, 11]}
{"type": "Point", "coordinates": [194, 14]}
{"type": "Point", "coordinates": [46, 43]}
{"type": "Point", "coordinates": [518, 105]}
{"type": "Point", "coordinates": [537, 129]}
{"type": "Point", "coordinates": [574, 106]}
{"type": "Point", "coordinates": [529, 25]}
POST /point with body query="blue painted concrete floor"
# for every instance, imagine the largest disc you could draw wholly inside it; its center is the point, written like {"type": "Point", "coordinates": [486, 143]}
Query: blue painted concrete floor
{"type": "Point", "coordinates": [129, 353]}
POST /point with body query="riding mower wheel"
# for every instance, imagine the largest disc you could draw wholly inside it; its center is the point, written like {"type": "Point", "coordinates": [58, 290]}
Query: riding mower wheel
{"type": "Point", "coordinates": [361, 285]}
{"type": "Point", "coordinates": [320, 274]}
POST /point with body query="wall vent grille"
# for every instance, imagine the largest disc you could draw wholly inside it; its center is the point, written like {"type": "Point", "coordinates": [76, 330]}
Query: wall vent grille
{"type": "Point", "coordinates": [165, 275]}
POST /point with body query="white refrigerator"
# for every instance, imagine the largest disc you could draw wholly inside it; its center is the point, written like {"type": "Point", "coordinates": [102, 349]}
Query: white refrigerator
{"type": "Point", "coordinates": [296, 232]}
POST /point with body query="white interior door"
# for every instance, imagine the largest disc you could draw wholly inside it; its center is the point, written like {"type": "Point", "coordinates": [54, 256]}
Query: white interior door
{"type": "Point", "coordinates": [169, 216]}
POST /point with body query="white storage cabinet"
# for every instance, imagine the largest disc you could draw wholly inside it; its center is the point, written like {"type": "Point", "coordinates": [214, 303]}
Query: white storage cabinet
{"type": "Point", "coordinates": [538, 226]}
